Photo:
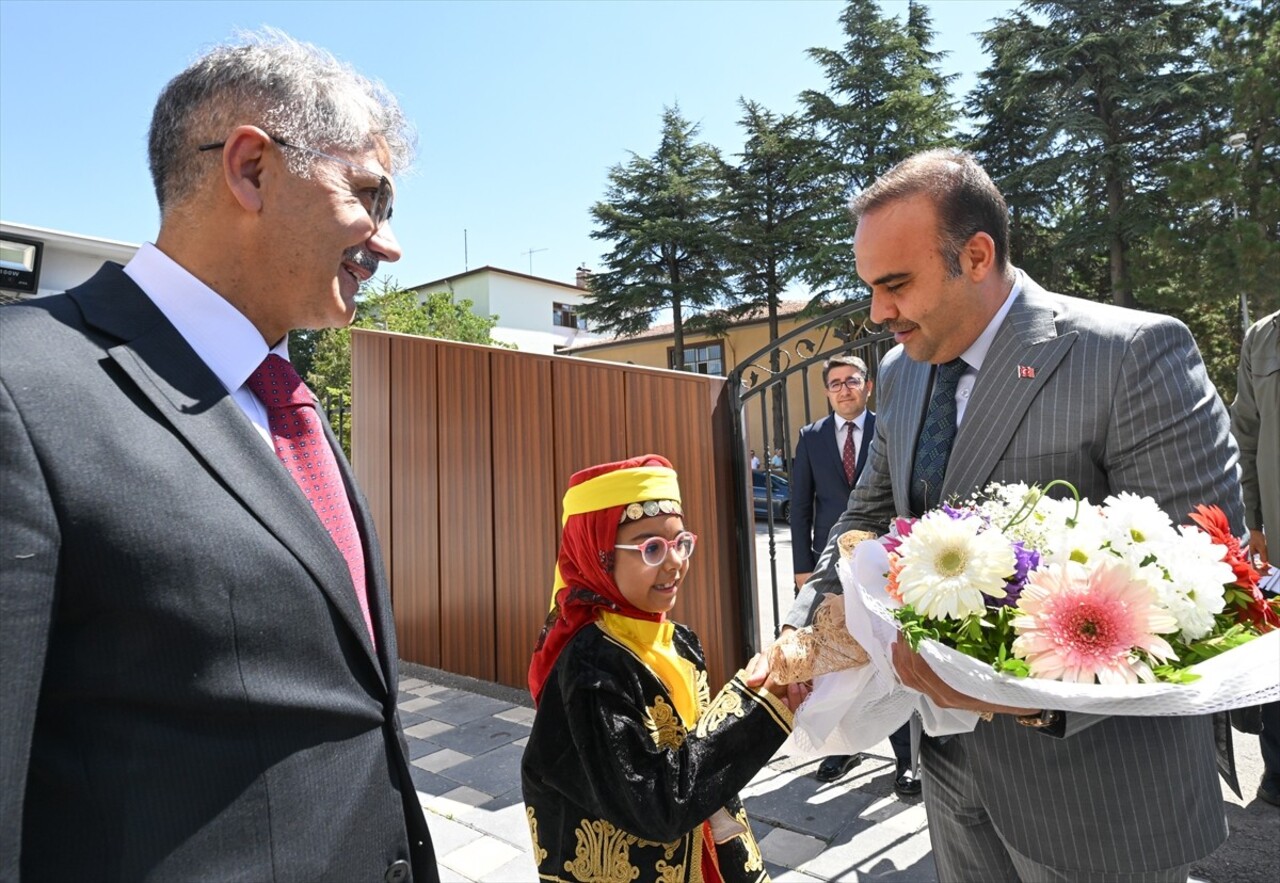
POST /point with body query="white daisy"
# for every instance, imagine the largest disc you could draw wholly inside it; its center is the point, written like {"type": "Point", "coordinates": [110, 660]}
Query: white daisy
{"type": "Point", "coordinates": [949, 564]}
{"type": "Point", "coordinates": [1193, 589]}
{"type": "Point", "coordinates": [1132, 519]}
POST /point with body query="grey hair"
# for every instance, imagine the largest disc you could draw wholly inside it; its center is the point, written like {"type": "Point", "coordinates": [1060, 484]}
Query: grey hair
{"type": "Point", "coordinates": [967, 201]}
{"type": "Point", "coordinates": [292, 90]}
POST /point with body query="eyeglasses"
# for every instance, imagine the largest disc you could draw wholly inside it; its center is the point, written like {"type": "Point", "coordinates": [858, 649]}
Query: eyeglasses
{"type": "Point", "coordinates": [848, 383]}
{"type": "Point", "coordinates": [381, 207]}
{"type": "Point", "coordinates": [654, 550]}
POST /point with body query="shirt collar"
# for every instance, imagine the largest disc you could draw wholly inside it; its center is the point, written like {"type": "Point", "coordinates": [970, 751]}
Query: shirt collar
{"type": "Point", "coordinates": [222, 336]}
{"type": "Point", "coordinates": [976, 354]}
{"type": "Point", "coordinates": [858, 421]}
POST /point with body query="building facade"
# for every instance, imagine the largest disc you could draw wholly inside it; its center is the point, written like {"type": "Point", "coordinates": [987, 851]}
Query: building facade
{"type": "Point", "coordinates": [535, 315]}
{"type": "Point", "coordinates": [37, 260]}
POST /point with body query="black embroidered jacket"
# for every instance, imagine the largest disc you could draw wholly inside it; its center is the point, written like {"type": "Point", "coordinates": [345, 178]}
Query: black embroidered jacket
{"type": "Point", "coordinates": [616, 788]}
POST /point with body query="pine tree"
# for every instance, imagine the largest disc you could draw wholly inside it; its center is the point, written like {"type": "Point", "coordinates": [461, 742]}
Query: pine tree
{"type": "Point", "coordinates": [660, 213]}
{"type": "Point", "coordinates": [1122, 84]}
{"type": "Point", "coordinates": [885, 100]}
{"type": "Point", "coordinates": [776, 200]}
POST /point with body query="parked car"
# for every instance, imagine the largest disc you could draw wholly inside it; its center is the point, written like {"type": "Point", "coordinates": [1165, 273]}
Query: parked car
{"type": "Point", "coordinates": [781, 490]}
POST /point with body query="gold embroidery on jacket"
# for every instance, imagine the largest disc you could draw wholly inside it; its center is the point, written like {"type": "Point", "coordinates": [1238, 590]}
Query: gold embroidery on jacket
{"type": "Point", "coordinates": [539, 854]}
{"type": "Point", "coordinates": [669, 873]}
{"type": "Point", "coordinates": [703, 688]}
{"type": "Point", "coordinates": [664, 726]}
{"type": "Point", "coordinates": [755, 861]}
{"type": "Point", "coordinates": [729, 702]}
{"type": "Point", "coordinates": [603, 854]}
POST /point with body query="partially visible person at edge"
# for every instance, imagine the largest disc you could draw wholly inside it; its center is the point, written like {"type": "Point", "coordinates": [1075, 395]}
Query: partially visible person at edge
{"type": "Point", "coordinates": [1042, 387]}
{"type": "Point", "coordinates": [629, 750]}
{"type": "Point", "coordinates": [830, 456]}
{"type": "Point", "coordinates": [1255, 422]}
{"type": "Point", "coordinates": [199, 672]}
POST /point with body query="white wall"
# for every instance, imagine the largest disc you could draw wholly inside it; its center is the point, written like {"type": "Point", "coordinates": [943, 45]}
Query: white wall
{"type": "Point", "coordinates": [69, 258]}
{"type": "Point", "coordinates": [523, 307]}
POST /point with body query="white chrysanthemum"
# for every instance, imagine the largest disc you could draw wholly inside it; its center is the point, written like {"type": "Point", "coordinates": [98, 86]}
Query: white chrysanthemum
{"type": "Point", "coordinates": [1132, 519]}
{"type": "Point", "coordinates": [1194, 587]}
{"type": "Point", "coordinates": [1082, 542]}
{"type": "Point", "coordinates": [949, 564]}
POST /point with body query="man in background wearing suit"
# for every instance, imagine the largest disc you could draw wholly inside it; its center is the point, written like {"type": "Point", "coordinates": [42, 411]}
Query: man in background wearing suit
{"type": "Point", "coordinates": [829, 457]}
{"type": "Point", "coordinates": [1039, 387]}
{"type": "Point", "coordinates": [1255, 422]}
{"type": "Point", "coordinates": [199, 653]}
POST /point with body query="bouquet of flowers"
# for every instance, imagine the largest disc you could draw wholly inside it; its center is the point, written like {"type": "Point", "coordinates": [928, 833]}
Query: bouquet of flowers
{"type": "Point", "coordinates": [1020, 599]}
{"type": "Point", "coordinates": [1062, 589]}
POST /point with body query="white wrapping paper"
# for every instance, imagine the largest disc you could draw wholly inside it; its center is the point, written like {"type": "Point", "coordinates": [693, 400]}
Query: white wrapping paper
{"type": "Point", "coordinates": [852, 710]}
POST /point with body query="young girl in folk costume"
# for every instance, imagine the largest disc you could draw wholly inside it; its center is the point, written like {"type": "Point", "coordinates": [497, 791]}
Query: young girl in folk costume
{"type": "Point", "coordinates": [632, 769]}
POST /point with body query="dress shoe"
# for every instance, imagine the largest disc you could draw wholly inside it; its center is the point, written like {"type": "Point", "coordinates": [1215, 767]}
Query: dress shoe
{"type": "Point", "coordinates": [1269, 790]}
{"type": "Point", "coordinates": [906, 783]}
{"type": "Point", "coordinates": [836, 766]}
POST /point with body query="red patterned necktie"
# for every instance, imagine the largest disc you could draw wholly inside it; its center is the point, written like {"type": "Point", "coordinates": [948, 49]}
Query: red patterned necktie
{"type": "Point", "coordinates": [304, 450]}
{"type": "Point", "coordinates": [850, 455]}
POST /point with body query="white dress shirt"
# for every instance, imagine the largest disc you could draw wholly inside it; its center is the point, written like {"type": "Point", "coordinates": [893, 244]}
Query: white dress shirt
{"type": "Point", "coordinates": [222, 336]}
{"type": "Point", "coordinates": [844, 427]}
{"type": "Point", "coordinates": [976, 354]}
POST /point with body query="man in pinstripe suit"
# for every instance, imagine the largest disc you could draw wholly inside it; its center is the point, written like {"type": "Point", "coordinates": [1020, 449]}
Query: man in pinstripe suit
{"type": "Point", "coordinates": [1053, 387]}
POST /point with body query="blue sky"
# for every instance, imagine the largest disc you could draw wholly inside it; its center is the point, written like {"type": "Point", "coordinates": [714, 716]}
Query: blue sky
{"type": "Point", "coordinates": [521, 107]}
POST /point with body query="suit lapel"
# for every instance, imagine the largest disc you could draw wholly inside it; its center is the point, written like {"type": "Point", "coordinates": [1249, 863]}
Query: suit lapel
{"type": "Point", "coordinates": [868, 433]}
{"type": "Point", "coordinates": [187, 394]}
{"type": "Point", "coordinates": [1026, 351]}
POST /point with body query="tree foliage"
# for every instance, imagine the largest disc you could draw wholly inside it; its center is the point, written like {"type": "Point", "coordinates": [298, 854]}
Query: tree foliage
{"type": "Point", "coordinates": [1122, 83]}
{"type": "Point", "coordinates": [324, 357]}
{"type": "Point", "coordinates": [775, 202]}
{"type": "Point", "coordinates": [1137, 143]}
{"type": "Point", "coordinates": [661, 215]}
{"type": "Point", "coordinates": [886, 98]}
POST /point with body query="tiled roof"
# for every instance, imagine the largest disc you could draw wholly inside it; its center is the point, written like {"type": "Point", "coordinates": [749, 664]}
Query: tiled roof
{"type": "Point", "coordinates": [786, 309]}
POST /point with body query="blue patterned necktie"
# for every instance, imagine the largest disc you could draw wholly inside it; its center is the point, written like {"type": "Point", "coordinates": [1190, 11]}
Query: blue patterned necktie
{"type": "Point", "coordinates": [936, 436]}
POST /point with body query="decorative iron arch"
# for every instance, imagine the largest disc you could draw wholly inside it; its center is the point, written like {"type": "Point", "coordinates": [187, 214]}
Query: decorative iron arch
{"type": "Point", "coordinates": [761, 381]}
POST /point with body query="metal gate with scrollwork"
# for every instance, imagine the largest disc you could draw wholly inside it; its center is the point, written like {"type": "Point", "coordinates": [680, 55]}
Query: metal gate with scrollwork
{"type": "Point", "coordinates": [775, 391]}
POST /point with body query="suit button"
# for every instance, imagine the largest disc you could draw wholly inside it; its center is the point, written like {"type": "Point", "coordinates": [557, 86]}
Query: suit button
{"type": "Point", "coordinates": [397, 872]}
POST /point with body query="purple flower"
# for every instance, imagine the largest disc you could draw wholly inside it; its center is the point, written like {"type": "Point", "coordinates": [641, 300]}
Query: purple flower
{"type": "Point", "coordinates": [1025, 561]}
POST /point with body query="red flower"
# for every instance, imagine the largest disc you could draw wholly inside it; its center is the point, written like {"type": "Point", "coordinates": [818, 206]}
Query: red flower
{"type": "Point", "coordinates": [1213, 521]}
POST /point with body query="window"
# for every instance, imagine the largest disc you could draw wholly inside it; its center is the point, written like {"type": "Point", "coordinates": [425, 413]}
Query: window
{"type": "Point", "coordinates": [705, 358]}
{"type": "Point", "coordinates": [566, 316]}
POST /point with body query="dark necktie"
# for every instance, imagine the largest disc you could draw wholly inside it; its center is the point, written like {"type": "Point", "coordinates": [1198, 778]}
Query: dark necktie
{"type": "Point", "coordinates": [936, 435]}
{"type": "Point", "coordinates": [850, 453]}
{"type": "Point", "coordinates": [304, 450]}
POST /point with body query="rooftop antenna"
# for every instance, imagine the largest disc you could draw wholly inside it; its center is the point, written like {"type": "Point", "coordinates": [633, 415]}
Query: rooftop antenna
{"type": "Point", "coordinates": [465, 265]}
{"type": "Point", "coordinates": [531, 252]}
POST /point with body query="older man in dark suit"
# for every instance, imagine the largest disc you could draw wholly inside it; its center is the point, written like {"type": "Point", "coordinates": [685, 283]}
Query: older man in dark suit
{"type": "Point", "coordinates": [199, 652]}
{"type": "Point", "coordinates": [1034, 387]}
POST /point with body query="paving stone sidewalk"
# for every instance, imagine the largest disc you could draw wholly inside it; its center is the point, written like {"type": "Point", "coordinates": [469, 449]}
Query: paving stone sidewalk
{"type": "Point", "coordinates": [465, 741]}
{"type": "Point", "coordinates": [466, 738]}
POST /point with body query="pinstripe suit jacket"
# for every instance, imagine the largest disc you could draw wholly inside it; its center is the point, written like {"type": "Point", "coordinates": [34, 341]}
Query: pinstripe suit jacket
{"type": "Point", "coordinates": [1119, 401]}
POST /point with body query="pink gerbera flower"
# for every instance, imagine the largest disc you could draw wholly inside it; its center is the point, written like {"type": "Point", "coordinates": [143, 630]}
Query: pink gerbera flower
{"type": "Point", "coordinates": [1080, 624]}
